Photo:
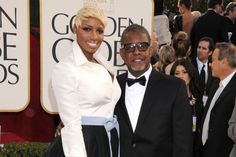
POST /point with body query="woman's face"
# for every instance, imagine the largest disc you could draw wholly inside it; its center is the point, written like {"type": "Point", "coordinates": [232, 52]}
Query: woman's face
{"type": "Point", "coordinates": [181, 8]}
{"type": "Point", "coordinates": [89, 35]}
{"type": "Point", "coordinates": [181, 72]}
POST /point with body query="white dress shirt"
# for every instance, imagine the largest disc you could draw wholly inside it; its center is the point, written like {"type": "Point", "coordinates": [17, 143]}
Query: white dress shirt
{"type": "Point", "coordinates": [200, 65]}
{"type": "Point", "coordinates": [134, 97]}
{"type": "Point", "coordinates": [82, 88]}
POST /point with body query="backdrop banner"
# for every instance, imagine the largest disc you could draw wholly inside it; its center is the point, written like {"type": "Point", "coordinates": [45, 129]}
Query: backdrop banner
{"type": "Point", "coordinates": [14, 55]}
{"type": "Point", "coordinates": [56, 34]}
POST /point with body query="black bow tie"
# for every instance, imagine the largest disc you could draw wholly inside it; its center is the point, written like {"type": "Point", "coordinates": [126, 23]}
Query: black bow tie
{"type": "Point", "coordinates": [141, 80]}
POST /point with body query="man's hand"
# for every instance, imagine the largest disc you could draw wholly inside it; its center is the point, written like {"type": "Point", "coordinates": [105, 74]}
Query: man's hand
{"type": "Point", "coordinates": [58, 129]}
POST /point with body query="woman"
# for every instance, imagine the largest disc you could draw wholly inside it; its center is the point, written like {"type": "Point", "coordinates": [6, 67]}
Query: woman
{"type": "Point", "coordinates": [181, 45]}
{"type": "Point", "coordinates": [184, 21]}
{"type": "Point", "coordinates": [166, 57]}
{"type": "Point", "coordinates": [86, 93]}
{"type": "Point", "coordinates": [185, 70]}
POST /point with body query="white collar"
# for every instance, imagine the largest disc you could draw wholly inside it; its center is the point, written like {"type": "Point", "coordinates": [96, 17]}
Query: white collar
{"type": "Point", "coordinates": [146, 74]}
{"type": "Point", "coordinates": [227, 79]}
{"type": "Point", "coordinates": [80, 58]}
{"type": "Point", "coordinates": [78, 54]}
{"type": "Point", "coordinates": [200, 64]}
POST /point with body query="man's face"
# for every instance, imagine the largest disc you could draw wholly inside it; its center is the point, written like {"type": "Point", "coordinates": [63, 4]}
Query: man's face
{"type": "Point", "coordinates": [219, 9]}
{"type": "Point", "coordinates": [216, 64]}
{"type": "Point", "coordinates": [203, 51]}
{"type": "Point", "coordinates": [182, 73]}
{"type": "Point", "coordinates": [232, 13]}
{"type": "Point", "coordinates": [136, 52]}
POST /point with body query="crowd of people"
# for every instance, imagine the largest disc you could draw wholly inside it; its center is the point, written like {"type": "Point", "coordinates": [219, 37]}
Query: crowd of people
{"type": "Point", "coordinates": [177, 98]}
{"type": "Point", "coordinates": [200, 42]}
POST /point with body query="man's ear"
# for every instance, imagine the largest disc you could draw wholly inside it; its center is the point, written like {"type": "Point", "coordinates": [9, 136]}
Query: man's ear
{"type": "Point", "coordinates": [122, 53]}
{"type": "Point", "coordinates": [210, 53]}
{"type": "Point", "coordinates": [225, 61]}
{"type": "Point", "coordinates": [74, 29]}
{"type": "Point", "coordinates": [150, 51]}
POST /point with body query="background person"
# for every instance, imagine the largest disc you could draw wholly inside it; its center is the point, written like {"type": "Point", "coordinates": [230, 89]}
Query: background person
{"type": "Point", "coordinates": [184, 21]}
{"type": "Point", "coordinates": [185, 70]}
{"type": "Point", "coordinates": [202, 62]}
{"type": "Point", "coordinates": [210, 24]}
{"type": "Point", "coordinates": [182, 47]}
{"type": "Point", "coordinates": [220, 103]}
{"type": "Point", "coordinates": [230, 13]}
{"type": "Point", "coordinates": [166, 57]}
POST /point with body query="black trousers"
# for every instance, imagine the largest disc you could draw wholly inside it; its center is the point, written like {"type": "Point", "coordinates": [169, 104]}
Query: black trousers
{"type": "Point", "coordinates": [96, 143]}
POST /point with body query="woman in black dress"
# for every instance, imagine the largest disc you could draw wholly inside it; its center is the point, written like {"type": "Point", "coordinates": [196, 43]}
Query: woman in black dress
{"type": "Point", "coordinates": [185, 70]}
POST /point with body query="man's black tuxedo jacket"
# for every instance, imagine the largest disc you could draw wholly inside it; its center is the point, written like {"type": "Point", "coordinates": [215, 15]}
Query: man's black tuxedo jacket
{"type": "Point", "coordinates": [211, 25]}
{"type": "Point", "coordinates": [231, 28]}
{"type": "Point", "coordinates": [164, 125]}
{"type": "Point", "coordinates": [218, 143]}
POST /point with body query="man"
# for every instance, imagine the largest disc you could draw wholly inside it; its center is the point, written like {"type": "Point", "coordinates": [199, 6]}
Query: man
{"type": "Point", "coordinates": [220, 103]}
{"type": "Point", "coordinates": [154, 115]}
{"type": "Point", "coordinates": [210, 24]}
{"type": "Point", "coordinates": [232, 130]}
{"type": "Point", "coordinates": [230, 13]}
{"type": "Point", "coordinates": [201, 62]}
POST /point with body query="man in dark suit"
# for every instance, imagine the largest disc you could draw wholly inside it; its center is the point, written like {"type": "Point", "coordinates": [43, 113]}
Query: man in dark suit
{"type": "Point", "coordinates": [230, 13]}
{"type": "Point", "coordinates": [205, 49]}
{"type": "Point", "coordinates": [210, 24]}
{"type": "Point", "coordinates": [232, 130]}
{"type": "Point", "coordinates": [220, 103]}
{"type": "Point", "coordinates": [153, 112]}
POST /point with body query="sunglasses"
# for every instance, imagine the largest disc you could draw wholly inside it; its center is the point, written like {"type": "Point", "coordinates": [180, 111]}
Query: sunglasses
{"type": "Point", "coordinates": [131, 47]}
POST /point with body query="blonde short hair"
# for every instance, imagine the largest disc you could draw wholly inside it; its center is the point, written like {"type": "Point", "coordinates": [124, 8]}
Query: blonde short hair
{"type": "Point", "coordinates": [90, 11]}
{"type": "Point", "coordinates": [166, 54]}
{"type": "Point", "coordinates": [196, 14]}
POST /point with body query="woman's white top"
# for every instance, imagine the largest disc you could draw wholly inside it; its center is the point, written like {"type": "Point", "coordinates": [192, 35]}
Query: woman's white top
{"type": "Point", "coordinates": [82, 88]}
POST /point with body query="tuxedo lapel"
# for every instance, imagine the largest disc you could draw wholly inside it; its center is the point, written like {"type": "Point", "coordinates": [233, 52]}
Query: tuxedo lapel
{"type": "Point", "coordinates": [124, 111]}
{"type": "Point", "coordinates": [148, 96]}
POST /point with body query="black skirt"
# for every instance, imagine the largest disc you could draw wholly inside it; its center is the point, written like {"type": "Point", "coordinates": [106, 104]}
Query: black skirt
{"type": "Point", "coordinates": [96, 143]}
